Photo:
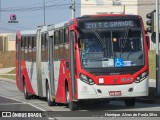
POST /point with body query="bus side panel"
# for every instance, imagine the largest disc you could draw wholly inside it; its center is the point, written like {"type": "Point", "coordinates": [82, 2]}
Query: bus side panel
{"type": "Point", "coordinates": [60, 94]}
{"type": "Point", "coordinates": [32, 77]}
{"type": "Point", "coordinates": [25, 75]}
{"type": "Point", "coordinates": [45, 74]}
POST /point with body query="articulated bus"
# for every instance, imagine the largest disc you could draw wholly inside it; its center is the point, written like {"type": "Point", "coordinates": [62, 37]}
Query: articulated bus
{"type": "Point", "coordinates": [95, 57]}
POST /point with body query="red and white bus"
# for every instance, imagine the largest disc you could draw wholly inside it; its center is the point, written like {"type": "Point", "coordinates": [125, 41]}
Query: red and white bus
{"type": "Point", "coordinates": [97, 57]}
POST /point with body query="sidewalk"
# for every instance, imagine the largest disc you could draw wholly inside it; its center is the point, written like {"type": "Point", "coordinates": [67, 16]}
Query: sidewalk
{"type": "Point", "coordinates": [9, 74]}
{"type": "Point", "coordinates": [6, 70]}
{"type": "Point", "coordinates": [8, 80]}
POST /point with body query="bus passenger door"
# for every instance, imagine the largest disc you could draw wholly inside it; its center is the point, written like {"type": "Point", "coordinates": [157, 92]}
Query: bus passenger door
{"type": "Point", "coordinates": [51, 65]}
{"type": "Point", "coordinates": [38, 63]}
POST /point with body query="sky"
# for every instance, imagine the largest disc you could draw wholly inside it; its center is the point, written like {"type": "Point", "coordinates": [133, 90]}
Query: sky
{"type": "Point", "coordinates": [29, 13]}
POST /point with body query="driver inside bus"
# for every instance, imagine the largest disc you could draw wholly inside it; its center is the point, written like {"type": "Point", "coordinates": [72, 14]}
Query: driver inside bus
{"type": "Point", "coordinates": [93, 46]}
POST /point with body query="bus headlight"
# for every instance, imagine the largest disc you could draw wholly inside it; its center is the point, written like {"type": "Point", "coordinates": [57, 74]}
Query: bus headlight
{"type": "Point", "coordinates": [86, 79]}
{"type": "Point", "coordinates": [141, 77]}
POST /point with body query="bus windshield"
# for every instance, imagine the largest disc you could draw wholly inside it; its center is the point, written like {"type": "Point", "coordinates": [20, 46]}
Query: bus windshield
{"type": "Point", "coordinates": [111, 48]}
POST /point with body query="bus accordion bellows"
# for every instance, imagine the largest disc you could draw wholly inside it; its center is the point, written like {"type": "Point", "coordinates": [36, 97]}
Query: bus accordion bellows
{"type": "Point", "coordinates": [97, 57]}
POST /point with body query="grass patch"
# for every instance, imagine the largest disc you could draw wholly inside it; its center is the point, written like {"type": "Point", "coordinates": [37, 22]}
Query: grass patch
{"type": "Point", "coordinates": [8, 77]}
{"type": "Point", "coordinates": [12, 72]}
{"type": "Point", "coordinates": [152, 64]}
{"type": "Point", "coordinates": [7, 59]}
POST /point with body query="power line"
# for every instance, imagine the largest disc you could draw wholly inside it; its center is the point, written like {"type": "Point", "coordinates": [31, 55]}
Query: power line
{"type": "Point", "coordinates": [62, 5]}
{"type": "Point", "coordinates": [33, 8]}
{"type": "Point", "coordinates": [40, 3]}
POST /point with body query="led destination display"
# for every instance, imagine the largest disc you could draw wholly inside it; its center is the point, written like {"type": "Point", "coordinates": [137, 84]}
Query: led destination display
{"type": "Point", "coordinates": [109, 24]}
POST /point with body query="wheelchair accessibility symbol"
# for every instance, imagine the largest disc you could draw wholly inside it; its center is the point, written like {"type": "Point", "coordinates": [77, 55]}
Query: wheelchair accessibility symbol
{"type": "Point", "coordinates": [119, 62]}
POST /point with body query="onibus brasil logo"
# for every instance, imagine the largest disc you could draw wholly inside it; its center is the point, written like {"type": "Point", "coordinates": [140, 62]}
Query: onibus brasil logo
{"type": "Point", "coordinates": [13, 18]}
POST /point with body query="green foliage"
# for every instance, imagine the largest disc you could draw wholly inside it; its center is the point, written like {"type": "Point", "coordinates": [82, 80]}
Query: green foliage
{"type": "Point", "coordinates": [152, 64]}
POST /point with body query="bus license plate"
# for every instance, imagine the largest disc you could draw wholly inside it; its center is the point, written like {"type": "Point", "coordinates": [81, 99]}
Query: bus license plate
{"type": "Point", "coordinates": [115, 93]}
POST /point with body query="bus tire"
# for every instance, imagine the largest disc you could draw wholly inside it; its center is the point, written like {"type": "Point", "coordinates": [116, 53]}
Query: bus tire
{"type": "Point", "coordinates": [130, 102]}
{"type": "Point", "coordinates": [50, 103]}
{"type": "Point", "coordinates": [71, 104]}
{"type": "Point", "coordinates": [26, 95]}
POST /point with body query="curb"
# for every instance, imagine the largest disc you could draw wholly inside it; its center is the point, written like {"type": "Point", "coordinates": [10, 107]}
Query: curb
{"type": "Point", "coordinates": [6, 70]}
{"type": "Point", "coordinates": [8, 74]}
{"type": "Point", "coordinates": [8, 80]}
{"type": "Point", "coordinates": [145, 100]}
{"type": "Point", "coordinates": [149, 100]}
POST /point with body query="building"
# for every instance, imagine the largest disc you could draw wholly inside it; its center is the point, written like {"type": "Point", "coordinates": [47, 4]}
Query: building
{"type": "Point", "coordinates": [7, 41]}
{"type": "Point", "coordinates": [136, 7]}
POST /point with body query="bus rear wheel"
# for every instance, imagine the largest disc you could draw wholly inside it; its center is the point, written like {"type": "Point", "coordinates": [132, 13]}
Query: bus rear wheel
{"type": "Point", "coordinates": [71, 104]}
{"type": "Point", "coordinates": [50, 103]}
{"type": "Point", "coordinates": [130, 102]}
{"type": "Point", "coordinates": [26, 95]}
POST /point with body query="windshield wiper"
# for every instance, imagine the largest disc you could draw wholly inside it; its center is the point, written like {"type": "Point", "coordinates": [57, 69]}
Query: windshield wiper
{"type": "Point", "coordinates": [101, 41]}
{"type": "Point", "coordinates": [99, 38]}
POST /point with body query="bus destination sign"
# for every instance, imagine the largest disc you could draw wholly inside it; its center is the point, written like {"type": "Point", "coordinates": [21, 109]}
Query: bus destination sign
{"type": "Point", "coordinates": [109, 24]}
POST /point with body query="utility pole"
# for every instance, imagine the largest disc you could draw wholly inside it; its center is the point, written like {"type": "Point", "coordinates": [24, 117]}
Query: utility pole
{"type": "Point", "coordinates": [44, 12]}
{"type": "Point", "coordinates": [124, 9]}
{"type": "Point", "coordinates": [157, 50]}
{"type": "Point", "coordinates": [0, 11]}
{"type": "Point", "coordinates": [73, 9]}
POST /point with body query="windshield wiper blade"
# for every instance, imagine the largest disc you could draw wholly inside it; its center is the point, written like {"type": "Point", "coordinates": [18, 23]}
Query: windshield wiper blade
{"type": "Point", "coordinates": [99, 38]}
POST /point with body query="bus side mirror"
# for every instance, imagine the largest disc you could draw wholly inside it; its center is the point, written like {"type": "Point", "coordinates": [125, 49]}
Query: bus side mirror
{"type": "Point", "coordinates": [148, 42]}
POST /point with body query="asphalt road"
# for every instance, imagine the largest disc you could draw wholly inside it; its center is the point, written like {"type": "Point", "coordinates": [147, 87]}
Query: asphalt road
{"type": "Point", "coordinates": [11, 99]}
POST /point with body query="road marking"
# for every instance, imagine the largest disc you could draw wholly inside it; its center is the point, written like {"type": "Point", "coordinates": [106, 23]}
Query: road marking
{"type": "Point", "coordinates": [11, 103]}
{"type": "Point", "coordinates": [24, 103]}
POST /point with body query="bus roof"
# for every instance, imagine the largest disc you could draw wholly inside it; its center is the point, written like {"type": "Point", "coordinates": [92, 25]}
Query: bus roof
{"type": "Point", "coordinates": [28, 32]}
{"type": "Point", "coordinates": [43, 29]}
{"type": "Point", "coordinates": [52, 27]}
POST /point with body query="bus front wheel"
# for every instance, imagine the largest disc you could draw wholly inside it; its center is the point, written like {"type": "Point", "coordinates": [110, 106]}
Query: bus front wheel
{"type": "Point", "coordinates": [71, 104]}
{"type": "Point", "coordinates": [130, 102]}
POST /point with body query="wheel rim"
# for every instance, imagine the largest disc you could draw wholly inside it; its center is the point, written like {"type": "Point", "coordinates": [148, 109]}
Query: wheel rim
{"type": "Point", "coordinates": [48, 96]}
{"type": "Point", "coordinates": [68, 97]}
{"type": "Point", "coordinates": [25, 89]}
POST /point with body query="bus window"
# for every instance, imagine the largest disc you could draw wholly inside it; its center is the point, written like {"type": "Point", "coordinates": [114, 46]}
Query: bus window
{"type": "Point", "coordinates": [30, 48]}
{"type": "Point", "coordinates": [43, 47]}
{"type": "Point", "coordinates": [56, 43]}
{"type": "Point", "coordinates": [65, 35]}
{"type": "Point", "coordinates": [22, 48]}
{"type": "Point", "coordinates": [46, 47]}
{"type": "Point", "coordinates": [66, 44]}
{"type": "Point", "coordinates": [26, 48]}
{"type": "Point", "coordinates": [61, 45]}
{"type": "Point", "coordinates": [34, 49]}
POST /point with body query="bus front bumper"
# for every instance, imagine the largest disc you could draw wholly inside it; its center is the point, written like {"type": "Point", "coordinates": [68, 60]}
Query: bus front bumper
{"type": "Point", "coordinates": [86, 91]}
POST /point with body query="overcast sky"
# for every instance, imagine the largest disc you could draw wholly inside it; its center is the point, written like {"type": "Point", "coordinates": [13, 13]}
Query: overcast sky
{"type": "Point", "coordinates": [30, 13]}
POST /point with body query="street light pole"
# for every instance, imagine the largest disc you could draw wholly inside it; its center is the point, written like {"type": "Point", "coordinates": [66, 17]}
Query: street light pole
{"type": "Point", "coordinates": [73, 9]}
{"type": "Point", "coordinates": [44, 11]}
{"type": "Point", "coordinates": [157, 50]}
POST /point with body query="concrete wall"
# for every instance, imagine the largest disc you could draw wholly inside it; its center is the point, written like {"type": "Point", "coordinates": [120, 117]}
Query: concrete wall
{"type": "Point", "coordinates": [137, 7]}
{"type": "Point", "coordinates": [7, 41]}
{"type": "Point", "coordinates": [145, 7]}
{"type": "Point", "coordinates": [89, 7]}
